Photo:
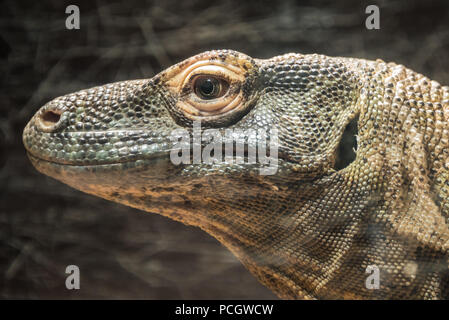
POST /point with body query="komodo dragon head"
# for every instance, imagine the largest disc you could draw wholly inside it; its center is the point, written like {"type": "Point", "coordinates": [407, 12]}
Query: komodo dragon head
{"type": "Point", "coordinates": [301, 227]}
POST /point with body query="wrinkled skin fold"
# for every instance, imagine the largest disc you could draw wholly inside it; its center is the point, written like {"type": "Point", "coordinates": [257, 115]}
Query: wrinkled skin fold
{"type": "Point", "coordinates": [308, 231]}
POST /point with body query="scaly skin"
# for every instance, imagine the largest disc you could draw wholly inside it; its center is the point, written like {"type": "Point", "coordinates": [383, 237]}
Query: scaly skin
{"type": "Point", "coordinates": [308, 231]}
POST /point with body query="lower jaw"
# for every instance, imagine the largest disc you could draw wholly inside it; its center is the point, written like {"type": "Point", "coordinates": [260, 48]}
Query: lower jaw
{"type": "Point", "coordinates": [134, 186]}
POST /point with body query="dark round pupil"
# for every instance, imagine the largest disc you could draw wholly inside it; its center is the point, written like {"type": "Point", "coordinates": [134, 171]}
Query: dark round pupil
{"type": "Point", "coordinates": [208, 86]}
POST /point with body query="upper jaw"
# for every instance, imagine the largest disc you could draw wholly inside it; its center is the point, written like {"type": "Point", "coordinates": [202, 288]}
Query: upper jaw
{"type": "Point", "coordinates": [96, 148]}
{"type": "Point", "coordinates": [102, 147]}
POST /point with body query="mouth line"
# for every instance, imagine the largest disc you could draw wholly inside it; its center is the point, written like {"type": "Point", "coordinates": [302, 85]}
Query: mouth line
{"type": "Point", "coordinates": [155, 149]}
{"type": "Point", "coordinates": [99, 164]}
{"type": "Point", "coordinates": [153, 156]}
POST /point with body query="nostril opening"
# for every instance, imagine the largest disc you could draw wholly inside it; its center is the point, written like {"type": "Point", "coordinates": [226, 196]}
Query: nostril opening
{"type": "Point", "coordinates": [50, 117]}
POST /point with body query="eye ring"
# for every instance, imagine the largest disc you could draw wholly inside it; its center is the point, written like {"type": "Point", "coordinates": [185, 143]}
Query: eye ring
{"type": "Point", "coordinates": [208, 87]}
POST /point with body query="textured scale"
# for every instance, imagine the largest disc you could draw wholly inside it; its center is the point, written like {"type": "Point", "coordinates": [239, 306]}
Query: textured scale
{"type": "Point", "coordinates": [308, 231]}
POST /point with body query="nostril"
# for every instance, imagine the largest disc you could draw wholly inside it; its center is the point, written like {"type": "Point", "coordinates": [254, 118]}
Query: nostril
{"type": "Point", "coordinates": [50, 117]}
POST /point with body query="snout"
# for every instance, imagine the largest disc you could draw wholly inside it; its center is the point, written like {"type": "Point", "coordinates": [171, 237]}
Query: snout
{"type": "Point", "coordinates": [121, 122]}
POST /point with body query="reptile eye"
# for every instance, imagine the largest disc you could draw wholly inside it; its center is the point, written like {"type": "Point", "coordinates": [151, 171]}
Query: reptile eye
{"type": "Point", "coordinates": [208, 87]}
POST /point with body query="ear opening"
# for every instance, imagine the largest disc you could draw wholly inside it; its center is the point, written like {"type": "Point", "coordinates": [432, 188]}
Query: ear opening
{"type": "Point", "coordinates": [347, 147]}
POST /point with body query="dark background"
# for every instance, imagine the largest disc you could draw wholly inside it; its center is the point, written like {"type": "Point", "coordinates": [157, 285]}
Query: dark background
{"type": "Point", "coordinates": [122, 252]}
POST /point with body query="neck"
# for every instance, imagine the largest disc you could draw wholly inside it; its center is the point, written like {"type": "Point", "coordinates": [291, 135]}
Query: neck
{"type": "Point", "coordinates": [286, 244]}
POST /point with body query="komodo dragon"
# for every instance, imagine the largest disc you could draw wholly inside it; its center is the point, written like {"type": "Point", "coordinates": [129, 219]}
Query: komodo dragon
{"type": "Point", "coordinates": [308, 230]}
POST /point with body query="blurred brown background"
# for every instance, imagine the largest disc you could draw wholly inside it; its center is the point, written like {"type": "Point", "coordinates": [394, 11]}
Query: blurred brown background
{"type": "Point", "coordinates": [122, 252]}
